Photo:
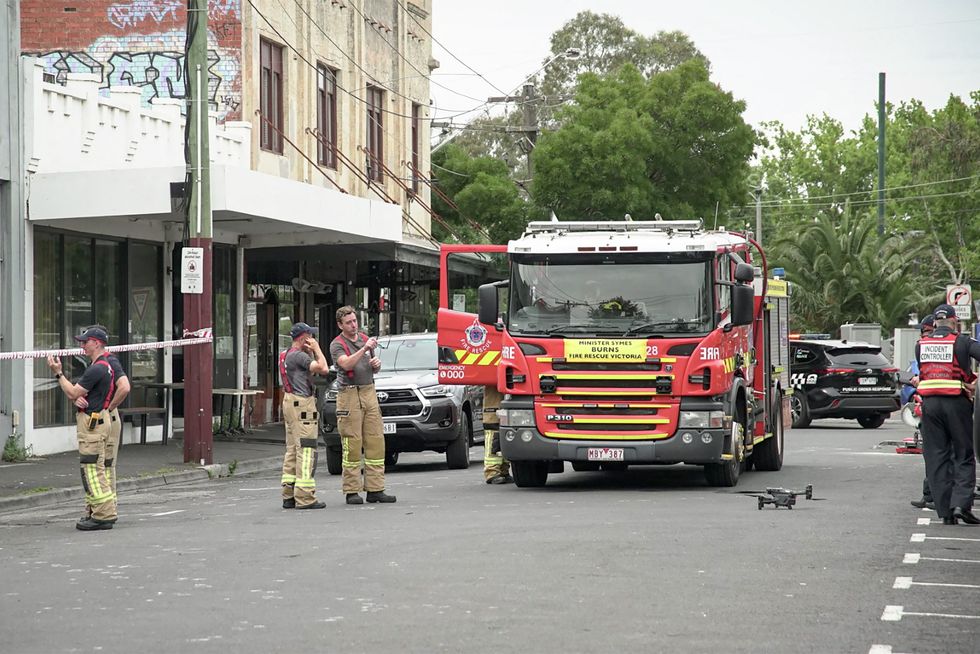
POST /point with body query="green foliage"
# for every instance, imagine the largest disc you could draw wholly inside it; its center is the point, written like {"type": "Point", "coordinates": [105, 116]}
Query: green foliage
{"type": "Point", "coordinates": [13, 451]}
{"type": "Point", "coordinates": [674, 144]}
{"type": "Point", "coordinates": [842, 271]}
{"type": "Point", "coordinates": [490, 206]}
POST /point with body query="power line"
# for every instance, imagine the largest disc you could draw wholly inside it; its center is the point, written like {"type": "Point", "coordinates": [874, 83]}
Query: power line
{"type": "Point", "coordinates": [431, 81]}
{"type": "Point", "coordinates": [782, 202]}
{"type": "Point", "coordinates": [448, 51]}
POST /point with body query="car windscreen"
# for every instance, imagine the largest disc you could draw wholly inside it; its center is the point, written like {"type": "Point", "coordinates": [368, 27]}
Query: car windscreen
{"type": "Point", "coordinates": [858, 358]}
{"type": "Point", "coordinates": [616, 294]}
{"type": "Point", "coordinates": [409, 354]}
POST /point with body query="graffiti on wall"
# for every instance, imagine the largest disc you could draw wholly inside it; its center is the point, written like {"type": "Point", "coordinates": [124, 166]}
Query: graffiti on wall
{"type": "Point", "coordinates": [141, 43]}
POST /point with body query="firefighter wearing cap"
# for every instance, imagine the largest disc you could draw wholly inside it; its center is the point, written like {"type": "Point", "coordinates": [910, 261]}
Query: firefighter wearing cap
{"type": "Point", "coordinates": [945, 380]}
{"type": "Point", "coordinates": [495, 467]}
{"type": "Point", "coordinates": [95, 388]}
{"type": "Point", "coordinates": [297, 365]}
{"type": "Point", "coordinates": [358, 412]}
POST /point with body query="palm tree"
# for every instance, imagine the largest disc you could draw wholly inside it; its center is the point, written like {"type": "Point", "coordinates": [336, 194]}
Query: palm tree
{"type": "Point", "coordinates": [843, 271]}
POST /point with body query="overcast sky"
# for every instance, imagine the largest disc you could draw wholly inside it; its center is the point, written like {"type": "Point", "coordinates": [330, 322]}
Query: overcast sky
{"type": "Point", "coordinates": [785, 58]}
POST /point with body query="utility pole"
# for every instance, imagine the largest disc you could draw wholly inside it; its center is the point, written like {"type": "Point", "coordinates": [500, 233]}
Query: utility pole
{"type": "Point", "coordinates": [529, 100]}
{"type": "Point", "coordinates": [198, 359]}
{"type": "Point", "coordinates": [757, 192]}
{"type": "Point", "coordinates": [881, 154]}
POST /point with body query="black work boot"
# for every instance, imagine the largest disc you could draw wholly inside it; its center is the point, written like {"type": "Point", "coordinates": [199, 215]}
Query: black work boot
{"type": "Point", "coordinates": [354, 498]}
{"type": "Point", "coordinates": [92, 524]}
{"type": "Point", "coordinates": [923, 504]}
{"type": "Point", "coordinates": [315, 505]}
{"type": "Point", "coordinates": [289, 503]}
{"type": "Point", "coordinates": [380, 496]}
{"type": "Point", "coordinates": [501, 479]}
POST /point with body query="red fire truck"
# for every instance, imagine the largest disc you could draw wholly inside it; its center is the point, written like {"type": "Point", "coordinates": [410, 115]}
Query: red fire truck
{"type": "Point", "coordinates": [622, 343]}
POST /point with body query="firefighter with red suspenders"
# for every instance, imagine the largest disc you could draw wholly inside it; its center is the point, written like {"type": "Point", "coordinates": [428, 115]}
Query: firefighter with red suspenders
{"type": "Point", "coordinates": [358, 412]}
{"type": "Point", "coordinates": [297, 365]}
{"type": "Point", "coordinates": [92, 395]}
{"type": "Point", "coordinates": [945, 383]}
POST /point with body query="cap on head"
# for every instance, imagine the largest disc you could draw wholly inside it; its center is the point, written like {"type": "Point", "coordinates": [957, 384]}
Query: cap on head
{"type": "Point", "coordinates": [93, 332]}
{"type": "Point", "coordinates": [927, 324]}
{"type": "Point", "coordinates": [944, 312]}
{"type": "Point", "coordinates": [301, 328]}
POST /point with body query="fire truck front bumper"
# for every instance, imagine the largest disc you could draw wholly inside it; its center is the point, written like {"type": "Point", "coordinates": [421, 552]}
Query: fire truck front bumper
{"type": "Point", "coordinates": [686, 446]}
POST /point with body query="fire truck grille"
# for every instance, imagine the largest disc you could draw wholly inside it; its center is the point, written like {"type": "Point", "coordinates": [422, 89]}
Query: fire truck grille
{"type": "Point", "coordinates": [602, 411]}
{"type": "Point", "coordinates": [609, 383]}
{"type": "Point", "coordinates": [614, 367]}
{"type": "Point", "coordinates": [606, 398]}
{"type": "Point", "coordinates": [608, 427]}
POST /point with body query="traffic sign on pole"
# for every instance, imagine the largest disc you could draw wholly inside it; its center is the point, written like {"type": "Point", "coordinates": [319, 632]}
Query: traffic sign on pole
{"type": "Point", "coordinates": [961, 297]}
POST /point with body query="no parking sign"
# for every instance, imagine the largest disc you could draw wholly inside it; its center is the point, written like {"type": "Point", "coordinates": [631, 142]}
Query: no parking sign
{"type": "Point", "coordinates": [961, 297]}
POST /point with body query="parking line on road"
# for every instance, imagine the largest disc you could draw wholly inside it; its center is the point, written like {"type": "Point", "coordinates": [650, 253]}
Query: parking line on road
{"type": "Point", "coordinates": [921, 538]}
{"type": "Point", "coordinates": [904, 583]}
{"type": "Point", "coordinates": [896, 613]}
{"type": "Point", "coordinates": [881, 649]}
{"type": "Point", "coordinates": [157, 515]}
{"type": "Point", "coordinates": [924, 521]}
{"type": "Point", "coordinates": [915, 557]}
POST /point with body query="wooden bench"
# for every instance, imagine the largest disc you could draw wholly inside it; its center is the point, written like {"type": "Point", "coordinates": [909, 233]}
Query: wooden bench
{"type": "Point", "coordinates": [143, 412]}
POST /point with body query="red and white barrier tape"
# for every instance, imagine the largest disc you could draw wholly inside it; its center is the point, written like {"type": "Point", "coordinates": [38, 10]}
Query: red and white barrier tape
{"type": "Point", "coordinates": [198, 337]}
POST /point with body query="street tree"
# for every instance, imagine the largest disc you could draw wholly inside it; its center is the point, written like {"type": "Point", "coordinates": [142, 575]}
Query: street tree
{"type": "Point", "coordinates": [675, 144]}
{"type": "Point", "coordinates": [842, 271]}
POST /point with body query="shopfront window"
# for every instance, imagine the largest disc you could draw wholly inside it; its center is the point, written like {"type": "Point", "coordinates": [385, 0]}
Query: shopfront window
{"type": "Point", "coordinates": [224, 310]}
{"type": "Point", "coordinates": [81, 281]}
{"type": "Point", "coordinates": [145, 315]}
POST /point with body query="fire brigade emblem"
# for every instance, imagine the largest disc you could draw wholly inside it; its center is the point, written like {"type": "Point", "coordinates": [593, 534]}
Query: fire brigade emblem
{"type": "Point", "coordinates": [476, 335]}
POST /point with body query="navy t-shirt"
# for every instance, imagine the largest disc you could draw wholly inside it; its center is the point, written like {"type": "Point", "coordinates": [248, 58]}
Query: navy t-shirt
{"type": "Point", "coordinates": [97, 379]}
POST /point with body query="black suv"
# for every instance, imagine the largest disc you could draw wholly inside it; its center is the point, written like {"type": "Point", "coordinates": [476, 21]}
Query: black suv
{"type": "Point", "coordinates": [841, 379]}
{"type": "Point", "coordinates": [419, 413]}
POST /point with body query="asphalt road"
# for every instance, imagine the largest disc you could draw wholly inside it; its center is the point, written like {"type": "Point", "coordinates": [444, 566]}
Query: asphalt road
{"type": "Point", "coordinates": [650, 560]}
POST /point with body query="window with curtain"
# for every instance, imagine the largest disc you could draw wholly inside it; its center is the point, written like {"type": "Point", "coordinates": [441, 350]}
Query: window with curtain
{"type": "Point", "coordinates": [326, 115]}
{"type": "Point", "coordinates": [270, 96]}
{"type": "Point", "coordinates": [375, 133]}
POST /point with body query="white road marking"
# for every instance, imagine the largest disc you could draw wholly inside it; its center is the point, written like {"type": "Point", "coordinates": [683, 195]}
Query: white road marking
{"type": "Point", "coordinates": [881, 649]}
{"type": "Point", "coordinates": [924, 537]}
{"type": "Point", "coordinates": [157, 515]}
{"type": "Point", "coordinates": [918, 538]}
{"type": "Point", "coordinates": [911, 557]}
{"type": "Point", "coordinates": [924, 521]}
{"type": "Point", "coordinates": [904, 583]}
{"type": "Point", "coordinates": [895, 613]}
{"type": "Point", "coordinates": [255, 490]}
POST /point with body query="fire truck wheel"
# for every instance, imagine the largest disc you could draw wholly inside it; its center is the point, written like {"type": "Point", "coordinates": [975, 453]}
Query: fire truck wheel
{"type": "Point", "coordinates": [585, 466]}
{"type": "Point", "coordinates": [334, 461]}
{"type": "Point", "coordinates": [873, 421]}
{"type": "Point", "coordinates": [725, 474]}
{"type": "Point", "coordinates": [800, 410]}
{"type": "Point", "coordinates": [529, 474]}
{"type": "Point", "coordinates": [768, 455]}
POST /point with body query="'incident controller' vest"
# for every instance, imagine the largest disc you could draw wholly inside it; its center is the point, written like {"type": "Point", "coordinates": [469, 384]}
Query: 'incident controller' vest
{"type": "Point", "coordinates": [939, 372]}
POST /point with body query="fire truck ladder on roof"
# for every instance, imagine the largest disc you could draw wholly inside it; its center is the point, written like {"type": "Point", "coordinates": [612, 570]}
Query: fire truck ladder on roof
{"type": "Point", "coordinates": [667, 226]}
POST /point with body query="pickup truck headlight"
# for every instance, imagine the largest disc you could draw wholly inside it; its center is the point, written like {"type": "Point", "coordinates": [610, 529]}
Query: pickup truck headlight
{"type": "Point", "coordinates": [437, 391]}
{"type": "Point", "coordinates": [701, 420]}
{"type": "Point", "coordinates": [516, 417]}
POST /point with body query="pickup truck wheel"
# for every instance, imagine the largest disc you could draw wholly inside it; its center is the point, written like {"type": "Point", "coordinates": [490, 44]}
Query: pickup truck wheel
{"type": "Point", "coordinates": [334, 461]}
{"type": "Point", "coordinates": [391, 460]}
{"type": "Point", "coordinates": [458, 452]}
{"type": "Point", "coordinates": [530, 474]}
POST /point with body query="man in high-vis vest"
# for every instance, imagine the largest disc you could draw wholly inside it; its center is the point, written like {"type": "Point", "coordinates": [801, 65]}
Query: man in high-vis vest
{"type": "Point", "coordinates": [945, 384]}
{"type": "Point", "coordinates": [297, 365]}
{"type": "Point", "coordinates": [92, 395]}
{"type": "Point", "coordinates": [358, 412]}
{"type": "Point", "coordinates": [495, 467]}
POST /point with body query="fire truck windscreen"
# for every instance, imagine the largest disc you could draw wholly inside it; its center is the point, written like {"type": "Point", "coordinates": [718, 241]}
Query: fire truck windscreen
{"type": "Point", "coordinates": [623, 296]}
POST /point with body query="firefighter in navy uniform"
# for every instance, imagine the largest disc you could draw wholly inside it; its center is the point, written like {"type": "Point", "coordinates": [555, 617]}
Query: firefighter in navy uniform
{"type": "Point", "coordinates": [945, 379]}
{"type": "Point", "coordinates": [495, 466]}
{"type": "Point", "coordinates": [297, 365]}
{"type": "Point", "coordinates": [92, 425]}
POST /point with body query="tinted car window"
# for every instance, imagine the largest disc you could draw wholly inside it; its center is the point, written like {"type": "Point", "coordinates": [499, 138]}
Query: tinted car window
{"type": "Point", "coordinates": [866, 358]}
{"type": "Point", "coordinates": [409, 354]}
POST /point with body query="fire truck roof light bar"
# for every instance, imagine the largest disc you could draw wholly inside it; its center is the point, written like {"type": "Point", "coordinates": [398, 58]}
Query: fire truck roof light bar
{"type": "Point", "coordinates": [550, 226]}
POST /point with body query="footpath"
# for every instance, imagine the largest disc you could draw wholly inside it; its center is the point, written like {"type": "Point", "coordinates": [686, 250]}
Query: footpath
{"type": "Point", "coordinates": [54, 478]}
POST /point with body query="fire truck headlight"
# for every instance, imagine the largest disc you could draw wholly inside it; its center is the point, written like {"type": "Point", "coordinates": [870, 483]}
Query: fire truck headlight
{"type": "Point", "coordinates": [527, 435]}
{"type": "Point", "coordinates": [706, 438]}
{"type": "Point", "coordinates": [516, 417]}
{"type": "Point", "coordinates": [688, 437]}
{"type": "Point", "coordinates": [509, 435]}
{"type": "Point", "coordinates": [701, 419]}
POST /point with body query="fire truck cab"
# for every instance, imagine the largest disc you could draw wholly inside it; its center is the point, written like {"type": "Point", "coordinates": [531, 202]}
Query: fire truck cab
{"type": "Point", "coordinates": [624, 343]}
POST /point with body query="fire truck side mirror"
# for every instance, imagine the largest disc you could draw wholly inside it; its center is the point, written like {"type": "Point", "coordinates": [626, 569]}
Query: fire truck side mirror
{"type": "Point", "coordinates": [487, 305]}
{"type": "Point", "coordinates": [743, 305]}
{"type": "Point", "coordinates": [744, 273]}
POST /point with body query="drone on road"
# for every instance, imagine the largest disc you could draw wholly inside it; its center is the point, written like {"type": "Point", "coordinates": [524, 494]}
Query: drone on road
{"type": "Point", "coordinates": [780, 496]}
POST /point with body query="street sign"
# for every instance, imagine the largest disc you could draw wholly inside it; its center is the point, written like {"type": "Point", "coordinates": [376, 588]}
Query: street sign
{"type": "Point", "coordinates": [192, 270]}
{"type": "Point", "coordinates": [961, 297]}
